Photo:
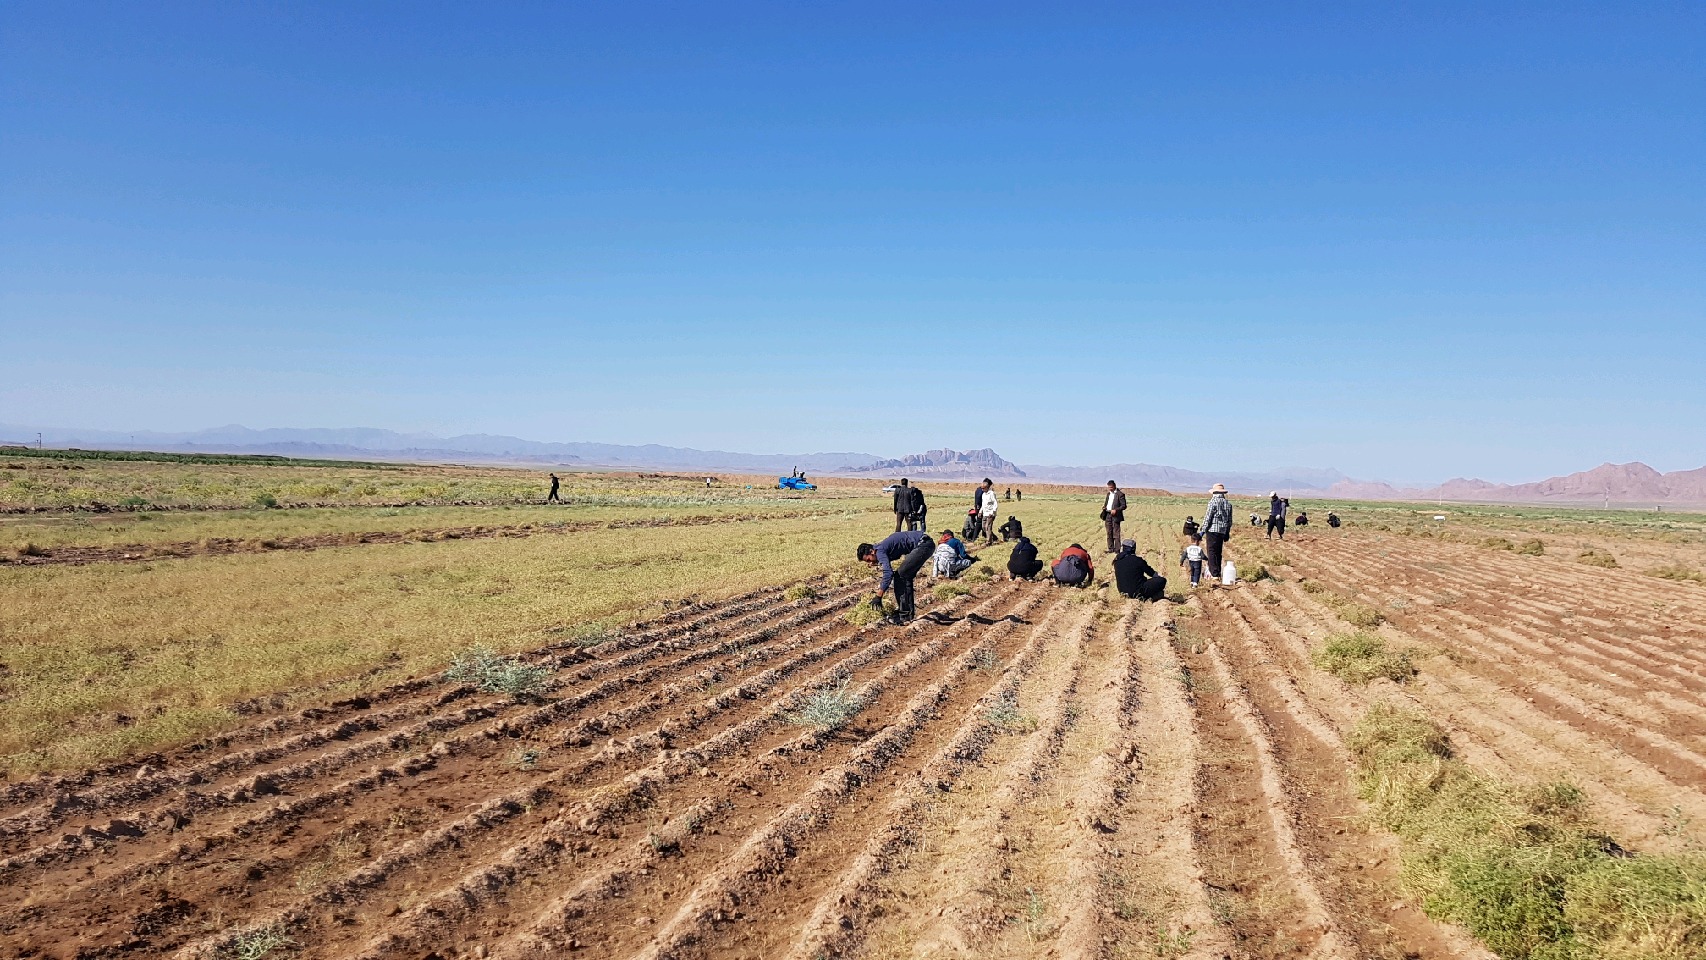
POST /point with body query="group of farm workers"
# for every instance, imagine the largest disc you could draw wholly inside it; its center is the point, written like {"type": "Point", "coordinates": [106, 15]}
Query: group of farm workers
{"type": "Point", "coordinates": [911, 547]}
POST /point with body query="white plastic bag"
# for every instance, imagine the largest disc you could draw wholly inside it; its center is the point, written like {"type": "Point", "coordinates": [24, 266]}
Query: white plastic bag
{"type": "Point", "coordinates": [1228, 573]}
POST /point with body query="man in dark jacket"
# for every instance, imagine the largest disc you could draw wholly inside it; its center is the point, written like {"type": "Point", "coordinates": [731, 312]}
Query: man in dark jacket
{"type": "Point", "coordinates": [1134, 577]}
{"type": "Point", "coordinates": [902, 505]}
{"type": "Point", "coordinates": [1012, 529]}
{"type": "Point", "coordinates": [552, 497]}
{"type": "Point", "coordinates": [1276, 515]}
{"type": "Point", "coordinates": [1023, 564]}
{"type": "Point", "coordinates": [913, 549]}
{"type": "Point", "coordinates": [919, 518]}
{"type": "Point", "coordinates": [1113, 514]}
{"type": "Point", "coordinates": [1333, 520]}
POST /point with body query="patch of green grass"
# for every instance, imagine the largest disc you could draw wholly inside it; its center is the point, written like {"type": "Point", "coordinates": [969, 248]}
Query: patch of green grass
{"type": "Point", "coordinates": [827, 708]}
{"type": "Point", "coordinates": [1596, 558]}
{"type": "Point", "coordinates": [1361, 656]}
{"type": "Point", "coordinates": [949, 590]}
{"type": "Point", "coordinates": [1354, 613]}
{"type": "Point", "coordinates": [1678, 572]}
{"type": "Point", "coordinates": [1525, 871]}
{"type": "Point", "coordinates": [1260, 573]}
{"type": "Point", "coordinates": [979, 573]}
{"type": "Point", "coordinates": [494, 673]}
{"type": "Point", "coordinates": [864, 614]}
{"type": "Point", "coordinates": [800, 591]}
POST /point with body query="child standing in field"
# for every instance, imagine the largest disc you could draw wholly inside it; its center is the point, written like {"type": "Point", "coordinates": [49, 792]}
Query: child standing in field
{"type": "Point", "coordinates": [1192, 559]}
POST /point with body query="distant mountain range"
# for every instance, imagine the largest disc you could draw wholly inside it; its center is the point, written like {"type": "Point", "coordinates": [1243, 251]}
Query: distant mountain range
{"type": "Point", "coordinates": [1617, 484]}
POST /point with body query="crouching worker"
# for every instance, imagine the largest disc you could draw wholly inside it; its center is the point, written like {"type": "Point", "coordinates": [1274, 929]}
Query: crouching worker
{"type": "Point", "coordinates": [1074, 569]}
{"type": "Point", "coordinates": [1023, 564]}
{"type": "Point", "coordinates": [913, 549]}
{"type": "Point", "coordinates": [1333, 520]}
{"type": "Point", "coordinates": [950, 558]}
{"type": "Point", "coordinates": [1134, 577]}
{"type": "Point", "coordinates": [1012, 529]}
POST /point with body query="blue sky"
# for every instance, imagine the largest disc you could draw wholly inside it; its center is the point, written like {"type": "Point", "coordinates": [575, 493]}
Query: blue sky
{"type": "Point", "coordinates": [1408, 241]}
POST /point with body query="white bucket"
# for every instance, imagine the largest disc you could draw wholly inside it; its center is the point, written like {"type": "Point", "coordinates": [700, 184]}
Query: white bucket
{"type": "Point", "coordinates": [1228, 573]}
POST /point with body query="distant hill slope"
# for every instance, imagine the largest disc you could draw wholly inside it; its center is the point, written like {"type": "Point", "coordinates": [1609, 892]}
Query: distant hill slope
{"type": "Point", "coordinates": [1617, 483]}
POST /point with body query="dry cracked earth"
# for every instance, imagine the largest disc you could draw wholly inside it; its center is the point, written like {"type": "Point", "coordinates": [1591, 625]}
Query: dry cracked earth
{"type": "Point", "coordinates": [1033, 772]}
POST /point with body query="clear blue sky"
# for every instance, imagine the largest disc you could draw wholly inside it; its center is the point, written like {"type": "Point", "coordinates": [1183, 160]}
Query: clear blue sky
{"type": "Point", "coordinates": [1407, 241]}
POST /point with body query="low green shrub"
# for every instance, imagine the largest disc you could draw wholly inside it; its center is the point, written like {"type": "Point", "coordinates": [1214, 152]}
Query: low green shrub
{"type": "Point", "coordinates": [1362, 656]}
{"type": "Point", "coordinates": [827, 708]}
{"type": "Point", "coordinates": [1526, 872]}
{"type": "Point", "coordinates": [494, 673]}
{"type": "Point", "coordinates": [800, 591]}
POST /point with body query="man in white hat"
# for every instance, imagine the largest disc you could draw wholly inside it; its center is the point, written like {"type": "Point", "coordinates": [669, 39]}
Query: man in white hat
{"type": "Point", "coordinates": [1276, 515]}
{"type": "Point", "coordinates": [1216, 527]}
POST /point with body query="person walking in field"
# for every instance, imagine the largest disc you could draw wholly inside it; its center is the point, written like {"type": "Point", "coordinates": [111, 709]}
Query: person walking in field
{"type": "Point", "coordinates": [1192, 559]}
{"type": "Point", "coordinates": [1008, 495]}
{"type": "Point", "coordinates": [902, 505]}
{"type": "Point", "coordinates": [1134, 577]}
{"type": "Point", "coordinates": [552, 496]}
{"type": "Point", "coordinates": [1022, 563]}
{"type": "Point", "coordinates": [912, 549]}
{"type": "Point", "coordinates": [1019, 495]}
{"type": "Point", "coordinates": [1074, 568]}
{"type": "Point", "coordinates": [1276, 515]}
{"type": "Point", "coordinates": [991, 506]}
{"type": "Point", "coordinates": [1216, 528]}
{"type": "Point", "coordinates": [1113, 514]}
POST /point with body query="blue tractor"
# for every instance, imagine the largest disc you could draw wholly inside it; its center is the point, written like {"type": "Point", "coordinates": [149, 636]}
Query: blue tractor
{"type": "Point", "coordinates": [795, 482]}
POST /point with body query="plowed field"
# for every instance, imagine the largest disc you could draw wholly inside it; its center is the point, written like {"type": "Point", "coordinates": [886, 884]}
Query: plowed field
{"type": "Point", "coordinates": [1031, 771]}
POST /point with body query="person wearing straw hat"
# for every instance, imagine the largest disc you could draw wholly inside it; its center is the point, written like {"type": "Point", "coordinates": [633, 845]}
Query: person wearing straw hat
{"type": "Point", "coordinates": [1216, 527]}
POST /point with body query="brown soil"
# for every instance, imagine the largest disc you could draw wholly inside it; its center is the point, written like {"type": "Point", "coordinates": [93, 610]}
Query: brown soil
{"type": "Point", "coordinates": [1031, 772]}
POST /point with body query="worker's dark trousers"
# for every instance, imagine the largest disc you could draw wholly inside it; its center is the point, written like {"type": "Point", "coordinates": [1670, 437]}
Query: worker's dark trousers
{"type": "Point", "coordinates": [1276, 524]}
{"type": "Point", "coordinates": [1153, 588]}
{"type": "Point", "coordinates": [1113, 525]}
{"type": "Point", "coordinates": [1212, 542]}
{"type": "Point", "coordinates": [904, 573]}
{"type": "Point", "coordinates": [899, 520]}
{"type": "Point", "coordinates": [553, 498]}
{"type": "Point", "coordinates": [1025, 570]}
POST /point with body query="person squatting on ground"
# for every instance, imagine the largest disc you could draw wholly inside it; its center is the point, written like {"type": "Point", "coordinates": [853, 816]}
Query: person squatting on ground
{"type": "Point", "coordinates": [1191, 527]}
{"type": "Point", "coordinates": [1302, 518]}
{"type": "Point", "coordinates": [1333, 520]}
{"type": "Point", "coordinates": [913, 549]}
{"type": "Point", "coordinates": [1074, 568]}
{"type": "Point", "coordinates": [552, 497]}
{"type": "Point", "coordinates": [1022, 563]}
{"type": "Point", "coordinates": [1216, 527]}
{"type": "Point", "coordinates": [1113, 514]}
{"type": "Point", "coordinates": [1191, 559]}
{"type": "Point", "coordinates": [1134, 577]}
{"type": "Point", "coordinates": [950, 558]}
{"type": "Point", "coordinates": [1012, 529]}
{"type": "Point", "coordinates": [990, 507]}
{"type": "Point", "coordinates": [1276, 514]}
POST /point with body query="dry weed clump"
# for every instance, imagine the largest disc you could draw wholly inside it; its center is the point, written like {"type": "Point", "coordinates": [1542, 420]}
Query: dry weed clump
{"type": "Point", "coordinates": [1354, 613]}
{"type": "Point", "coordinates": [1678, 572]}
{"type": "Point", "coordinates": [1532, 548]}
{"type": "Point", "coordinates": [1596, 558]}
{"type": "Point", "coordinates": [1362, 656]}
{"type": "Point", "coordinates": [1525, 871]}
